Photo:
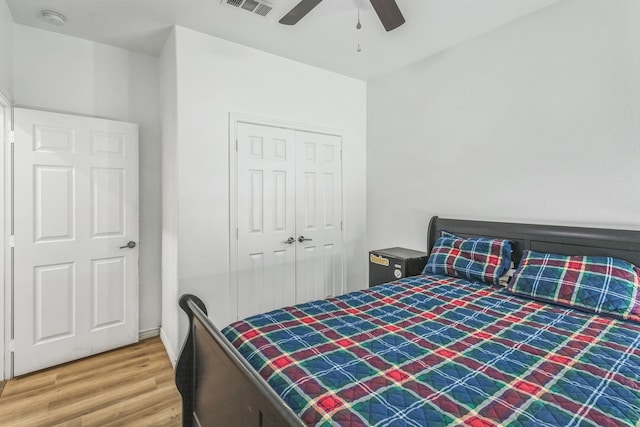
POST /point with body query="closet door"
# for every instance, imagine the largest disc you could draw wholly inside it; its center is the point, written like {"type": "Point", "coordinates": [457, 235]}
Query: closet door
{"type": "Point", "coordinates": [266, 218]}
{"type": "Point", "coordinates": [289, 220]}
{"type": "Point", "coordinates": [318, 216]}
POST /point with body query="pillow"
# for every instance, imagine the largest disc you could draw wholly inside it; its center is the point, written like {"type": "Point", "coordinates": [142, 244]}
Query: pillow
{"type": "Point", "coordinates": [447, 234]}
{"type": "Point", "coordinates": [504, 279]}
{"type": "Point", "coordinates": [477, 258]}
{"type": "Point", "coordinates": [602, 285]}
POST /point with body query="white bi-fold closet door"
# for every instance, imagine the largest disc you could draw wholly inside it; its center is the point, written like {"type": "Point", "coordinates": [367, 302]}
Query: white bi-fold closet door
{"type": "Point", "coordinates": [289, 217]}
{"type": "Point", "coordinates": [75, 269]}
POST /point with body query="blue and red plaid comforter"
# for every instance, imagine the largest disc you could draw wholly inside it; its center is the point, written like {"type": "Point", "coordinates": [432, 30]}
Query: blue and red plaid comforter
{"type": "Point", "coordinates": [436, 351]}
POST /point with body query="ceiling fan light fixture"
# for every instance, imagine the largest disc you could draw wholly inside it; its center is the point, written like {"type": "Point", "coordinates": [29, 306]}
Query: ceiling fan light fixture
{"type": "Point", "coordinates": [358, 28]}
{"type": "Point", "coordinates": [53, 18]}
{"type": "Point", "coordinates": [387, 10]}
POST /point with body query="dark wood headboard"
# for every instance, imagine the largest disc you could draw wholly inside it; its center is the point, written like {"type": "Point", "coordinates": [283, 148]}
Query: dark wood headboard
{"type": "Point", "coordinates": [623, 244]}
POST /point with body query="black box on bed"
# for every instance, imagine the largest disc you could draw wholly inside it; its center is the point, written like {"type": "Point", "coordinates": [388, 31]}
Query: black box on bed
{"type": "Point", "coordinates": [387, 265]}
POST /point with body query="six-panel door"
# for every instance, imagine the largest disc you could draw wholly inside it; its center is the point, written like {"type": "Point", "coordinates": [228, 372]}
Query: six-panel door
{"type": "Point", "coordinates": [75, 205]}
{"type": "Point", "coordinates": [266, 219]}
{"type": "Point", "coordinates": [318, 216]}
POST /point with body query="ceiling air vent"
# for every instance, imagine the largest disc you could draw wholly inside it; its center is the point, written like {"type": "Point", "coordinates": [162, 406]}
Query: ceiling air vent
{"type": "Point", "coordinates": [254, 6]}
{"type": "Point", "coordinates": [262, 9]}
{"type": "Point", "coordinates": [250, 5]}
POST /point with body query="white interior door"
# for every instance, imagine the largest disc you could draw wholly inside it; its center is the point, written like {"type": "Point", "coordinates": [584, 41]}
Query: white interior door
{"type": "Point", "coordinates": [75, 205]}
{"type": "Point", "coordinates": [289, 212]}
{"type": "Point", "coordinates": [266, 221]}
{"type": "Point", "coordinates": [318, 216]}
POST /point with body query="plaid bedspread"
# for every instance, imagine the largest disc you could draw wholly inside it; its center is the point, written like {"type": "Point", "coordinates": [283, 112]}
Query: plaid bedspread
{"type": "Point", "coordinates": [438, 351]}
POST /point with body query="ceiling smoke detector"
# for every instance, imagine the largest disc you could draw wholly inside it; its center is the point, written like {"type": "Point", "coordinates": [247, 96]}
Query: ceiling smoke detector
{"type": "Point", "coordinates": [53, 18]}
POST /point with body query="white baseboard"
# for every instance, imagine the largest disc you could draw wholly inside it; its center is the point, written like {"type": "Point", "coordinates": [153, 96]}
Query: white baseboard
{"type": "Point", "coordinates": [167, 348]}
{"type": "Point", "coordinates": [148, 333]}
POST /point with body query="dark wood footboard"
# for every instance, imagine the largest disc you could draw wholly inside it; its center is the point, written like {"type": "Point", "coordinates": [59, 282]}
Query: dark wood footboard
{"type": "Point", "coordinates": [218, 386]}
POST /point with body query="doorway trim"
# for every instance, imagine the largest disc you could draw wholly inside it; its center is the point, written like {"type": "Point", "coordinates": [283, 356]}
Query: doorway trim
{"type": "Point", "coordinates": [234, 120]}
{"type": "Point", "coordinates": [6, 127]}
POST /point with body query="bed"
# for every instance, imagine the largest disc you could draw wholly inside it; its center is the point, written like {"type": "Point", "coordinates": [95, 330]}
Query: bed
{"type": "Point", "coordinates": [427, 350]}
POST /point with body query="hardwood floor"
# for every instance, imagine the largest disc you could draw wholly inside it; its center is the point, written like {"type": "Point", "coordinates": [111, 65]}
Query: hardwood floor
{"type": "Point", "coordinates": [132, 386]}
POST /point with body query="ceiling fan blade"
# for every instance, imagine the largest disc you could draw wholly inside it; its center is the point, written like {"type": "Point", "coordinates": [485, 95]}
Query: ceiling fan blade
{"type": "Point", "coordinates": [299, 12]}
{"type": "Point", "coordinates": [389, 13]}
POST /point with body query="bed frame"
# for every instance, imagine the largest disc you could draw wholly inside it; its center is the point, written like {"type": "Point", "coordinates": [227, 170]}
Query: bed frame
{"type": "Point", "coordinates": [219, 387]}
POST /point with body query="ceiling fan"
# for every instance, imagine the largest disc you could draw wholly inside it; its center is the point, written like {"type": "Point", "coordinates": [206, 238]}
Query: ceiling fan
{"type": "Point", "coordinates": [387, 10]}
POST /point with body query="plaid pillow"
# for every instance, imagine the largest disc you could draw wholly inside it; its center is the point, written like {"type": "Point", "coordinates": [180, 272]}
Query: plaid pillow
{"type": "Point", "coordinates": [478, 258]}
{"type": "Point", "coordinates": [447, 234]}
{"type": "Point", "coordinates": [602, 285]}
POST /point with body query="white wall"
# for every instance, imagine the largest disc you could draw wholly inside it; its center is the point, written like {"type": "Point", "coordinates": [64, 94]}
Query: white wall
{"type": "Point", "coordinates": [6, 51]}
{"type": "Point", "coordinates": [67, 74]}
{"type": "Point", "coordinates": [216, 77]}
{"type": "Point", "coordinates": [169, 113]}
{"type": "Point", "coordinates": [537, 121]}
{"type": "Point", "coordinates": [6, 96]}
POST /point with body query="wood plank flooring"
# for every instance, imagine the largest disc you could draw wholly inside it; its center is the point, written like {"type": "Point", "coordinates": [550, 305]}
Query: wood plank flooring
{"type": "Point", "coordinates": [132, 386]}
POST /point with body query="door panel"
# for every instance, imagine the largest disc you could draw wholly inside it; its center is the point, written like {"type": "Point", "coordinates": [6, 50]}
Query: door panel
{"type": "Point", "coordinates": [53, 139]}
{"type": "Point", "coordinates": [54, 296]}
{"type": "Point", "coordinates": [318, 216]}
{"type": "Point", "coordinates": [266, 176]}
{"type": "Point", "coordinates": [309, 198]}
{"type": "Point", "coordinates": [75, 205]}
{"type": "Point", "coordinates": [54, 200]}
{"type": "Point", "coordinates": [108, 203]}
{"type": "Point", "coordinates": [108, 291]}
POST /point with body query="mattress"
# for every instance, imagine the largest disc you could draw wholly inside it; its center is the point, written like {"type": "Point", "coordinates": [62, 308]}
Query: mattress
{"type": "Point", "coordinates": [439, 351]}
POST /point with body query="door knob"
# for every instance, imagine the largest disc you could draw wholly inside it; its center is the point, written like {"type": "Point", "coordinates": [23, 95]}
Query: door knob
{"type": "Point", "coordinates": [289, 241]}
{"type": "Point", "coordinates": [129, 245]}
{"type": "Point", "coordinates": [303, 239]}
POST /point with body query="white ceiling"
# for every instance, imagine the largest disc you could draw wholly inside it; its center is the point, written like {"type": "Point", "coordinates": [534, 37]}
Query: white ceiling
{"type": "Point", "coordinates": [325, 38]}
